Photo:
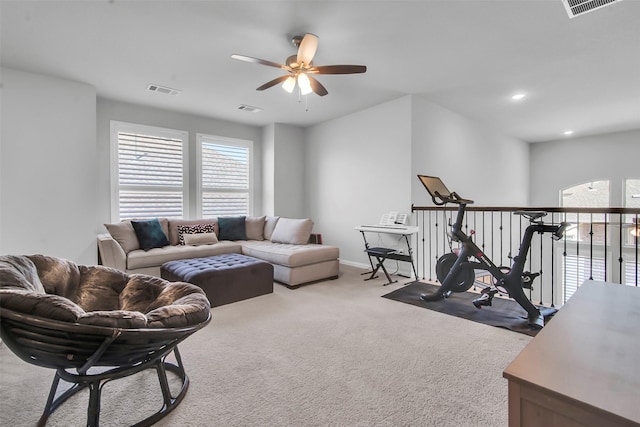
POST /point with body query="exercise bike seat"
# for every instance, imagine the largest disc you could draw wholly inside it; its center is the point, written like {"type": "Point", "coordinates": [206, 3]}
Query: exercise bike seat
{"type": "Point", "coordinates": [531, 215]}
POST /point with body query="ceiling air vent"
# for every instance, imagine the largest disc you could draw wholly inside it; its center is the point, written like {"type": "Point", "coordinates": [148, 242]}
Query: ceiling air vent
{"type": "Point", "coordinates": [580, 7]}
{"type": "Point", "coordinates": [249, 108]}
{"type": "Point", "coordinates": [163, 89]}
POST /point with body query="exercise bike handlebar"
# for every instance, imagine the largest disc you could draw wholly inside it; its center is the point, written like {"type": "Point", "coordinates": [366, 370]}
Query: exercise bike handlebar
{"type": "Point", "coordinates": [452, 197]}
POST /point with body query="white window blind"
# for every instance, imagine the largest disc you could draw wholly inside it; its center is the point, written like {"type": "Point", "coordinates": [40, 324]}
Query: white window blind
{"type": "Point", "coordinates": [151, 171]}
{"type": "Point", "coordinates": [631, 274]}
{"type": "Point", "coordinates": [224, 176]}
{"type": "Point", "coordinates": [577, 269]}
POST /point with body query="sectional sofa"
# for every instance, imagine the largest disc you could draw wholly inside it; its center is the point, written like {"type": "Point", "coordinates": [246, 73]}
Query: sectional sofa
{"type": "Point", "coordinates": [143, 246]}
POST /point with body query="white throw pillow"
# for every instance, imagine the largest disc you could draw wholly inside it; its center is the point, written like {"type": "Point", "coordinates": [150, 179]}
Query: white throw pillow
{"type": "Point", "coordinates": [292, 231]}
{"type": "Point", "coordinates": [270, 225]}
{"type": "Point", "coordinates": [200, 239]}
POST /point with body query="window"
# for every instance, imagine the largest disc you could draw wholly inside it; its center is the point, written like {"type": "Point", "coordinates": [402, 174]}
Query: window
{"type": "Point", "coordinates": [632, 193]}
{"type": "Point", "coordinates": [149, 171]}
{"type": "Point", "coordinates": [577, 269]}
{"type": "Point", "coordinates": [587, 229]}
{"type": "Point", "coordinates": [631, 233]}
{"type": "Point", "coordinates": [224, 176]}
{"type": "Point", "coordinates": [594, 194]}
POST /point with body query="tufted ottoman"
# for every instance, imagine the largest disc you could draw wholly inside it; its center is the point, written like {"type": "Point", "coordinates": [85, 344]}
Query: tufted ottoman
{"type": "Point", "coordinates": [224, 278]}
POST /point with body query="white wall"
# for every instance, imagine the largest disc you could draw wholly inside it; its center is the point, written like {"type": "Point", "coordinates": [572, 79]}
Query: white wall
{"type": "Point", "coordinates": [108, 110]}
{"type": "Point", "coordinates": [357, 168]}
{"type": "Point", "coordinates": [289, 171]}
{"type": "Point", "coordinates": [557, 165]}
{"type": "Point", "coordinates": [268, 170]}
{"type": "Point", "coordinates": [283, 165]}
{"type": "Point", "coordinates": [49, 199]}
{"type": "Point", "coordinates": [365, 164]}
{"type": "Point", "coordinates": [476, 162]}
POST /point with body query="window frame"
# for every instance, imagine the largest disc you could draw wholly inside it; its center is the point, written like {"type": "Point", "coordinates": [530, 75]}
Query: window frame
{"type": "Point", "coordinates": [237, 142]}
{"type": "Point", "coordinates": [117, 127]}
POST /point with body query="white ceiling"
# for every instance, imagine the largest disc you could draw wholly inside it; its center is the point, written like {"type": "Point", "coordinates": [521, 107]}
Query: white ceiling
{"type": "Point", "coordinates": [468, 56]}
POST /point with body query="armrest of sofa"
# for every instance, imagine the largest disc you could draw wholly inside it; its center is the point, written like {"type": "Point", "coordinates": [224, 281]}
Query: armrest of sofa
{"type": "Point", "coordinates": [111, 253]}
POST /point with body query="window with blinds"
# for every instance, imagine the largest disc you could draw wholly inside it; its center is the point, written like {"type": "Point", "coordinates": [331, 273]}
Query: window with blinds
{"type": "Point", "coordinates": [577, 269]}
{"type": "Point", "coordinates": [150, 171]}
{"type": "Point", "coordinates": [224, 176]}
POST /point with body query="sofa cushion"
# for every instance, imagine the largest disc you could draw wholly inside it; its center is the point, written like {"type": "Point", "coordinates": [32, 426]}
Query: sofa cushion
{"type": "Point", "coordinates": [124, 234]}
{"type": "Point", "coordinates": [269, 225]}
{"type": "Point", "coordinates": [174, 223]}
{"type": "Point", "coordinates": [289, 255]}
{"type": "Point", "coordinates": [254, 227]}
{"type": "Point", "coordinates": [150, 234]}
{"type": "Point", "coordinates": [158, 256]}
{"type": "Point", "coordinates": [292, 231]}
{"type": "Point", "coordinates": [232, 228]}
{"type": "Point", "coordinates": [196, 239]}
{"type": "Point", "coordinates": [194, 229]}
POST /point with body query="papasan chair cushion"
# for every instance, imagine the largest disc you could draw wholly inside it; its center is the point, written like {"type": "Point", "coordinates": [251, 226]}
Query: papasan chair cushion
{"type": "Point", "coordinates": [74, 318]}
{"type": "Point", "coordinates": [58, 289]}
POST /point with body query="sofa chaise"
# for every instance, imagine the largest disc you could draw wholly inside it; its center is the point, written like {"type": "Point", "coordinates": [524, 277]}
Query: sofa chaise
{"type": "Point", "coordinates": [143, 246]}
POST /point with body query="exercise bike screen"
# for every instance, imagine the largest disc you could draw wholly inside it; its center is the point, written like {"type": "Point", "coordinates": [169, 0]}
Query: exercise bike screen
{"type": "Point", "coordinates": [434, 184]}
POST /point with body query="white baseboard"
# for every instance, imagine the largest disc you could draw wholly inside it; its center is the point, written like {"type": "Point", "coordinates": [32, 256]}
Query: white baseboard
{"type": "Point", "coordinates": [355, 264]}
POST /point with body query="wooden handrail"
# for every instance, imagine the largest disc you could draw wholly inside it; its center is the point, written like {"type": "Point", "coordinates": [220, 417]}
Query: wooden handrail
{"type": "Point", "coordinates": [627, 211]}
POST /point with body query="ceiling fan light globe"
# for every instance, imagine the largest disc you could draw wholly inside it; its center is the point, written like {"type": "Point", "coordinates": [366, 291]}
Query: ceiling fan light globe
{"type": "Point", "coordinates": [304, 83]}
{"type": "Point", "coordinates": [289, 84]}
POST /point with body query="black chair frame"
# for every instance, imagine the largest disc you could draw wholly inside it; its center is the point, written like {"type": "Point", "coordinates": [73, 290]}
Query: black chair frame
{"type": "Point", "coordinates": [97, 354]}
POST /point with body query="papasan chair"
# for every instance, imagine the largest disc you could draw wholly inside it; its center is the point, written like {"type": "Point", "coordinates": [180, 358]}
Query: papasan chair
{"type": "Point", "coordinates": [94, 324]}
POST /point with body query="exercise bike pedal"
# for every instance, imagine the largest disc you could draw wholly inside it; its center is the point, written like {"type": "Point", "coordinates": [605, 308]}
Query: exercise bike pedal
{"type": "Point", "coordinates": [436, 296]}
{"type": "Point", "coordinates": [527, 279]}
{"type": "Point", "coordinates": [485, 298]}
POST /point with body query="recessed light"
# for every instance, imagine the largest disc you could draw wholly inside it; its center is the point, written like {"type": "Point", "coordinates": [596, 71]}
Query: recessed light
{"type": "Point", "coordinates": [518, 96]}
{"type": "Point", "coordinates": [568, 132]}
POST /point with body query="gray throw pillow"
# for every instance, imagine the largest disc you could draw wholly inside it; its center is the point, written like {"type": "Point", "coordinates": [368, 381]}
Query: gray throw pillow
{"type": "Point", "coordinates": [150, 234]}
{"type": "Point", "coordinates": [125, 235]}
{"type": "Point", "coordinates": [255, 227]}
{"type": "Point", "coordinates": [232, 228]}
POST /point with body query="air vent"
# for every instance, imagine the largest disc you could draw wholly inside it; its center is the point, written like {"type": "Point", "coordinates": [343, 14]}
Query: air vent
{"type": "Point", "coordinates": [163, 89]}
{"type": "Point", "coordinates": [249, 108]}
{"type": "Point", "coordinates": [580, 7]}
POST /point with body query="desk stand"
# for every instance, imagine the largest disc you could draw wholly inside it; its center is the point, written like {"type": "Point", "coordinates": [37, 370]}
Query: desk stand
{"type": "Point", "coordinates": [383, 254]}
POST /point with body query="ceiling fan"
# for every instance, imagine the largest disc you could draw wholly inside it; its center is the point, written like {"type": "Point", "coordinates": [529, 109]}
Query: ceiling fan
{"type": "Point", "coordinates": [300, 67]}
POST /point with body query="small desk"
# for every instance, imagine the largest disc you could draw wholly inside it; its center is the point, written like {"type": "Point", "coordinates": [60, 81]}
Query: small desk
{"type": "Point", "coordinates": [382, 254]}
{"type": "Point", "coordinates": [582, 368]}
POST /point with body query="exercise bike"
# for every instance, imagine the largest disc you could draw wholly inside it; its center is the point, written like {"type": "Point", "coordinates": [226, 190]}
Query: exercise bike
{"type": "Point", "coordinates": [456, 272]}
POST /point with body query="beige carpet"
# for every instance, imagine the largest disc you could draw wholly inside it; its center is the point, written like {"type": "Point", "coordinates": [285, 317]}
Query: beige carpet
{"type": "Point", "coordinates": [329, 354]}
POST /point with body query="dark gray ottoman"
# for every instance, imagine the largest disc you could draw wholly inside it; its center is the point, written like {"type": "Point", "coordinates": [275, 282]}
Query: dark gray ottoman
{"type": "Point", "coordinates": [224, 278]}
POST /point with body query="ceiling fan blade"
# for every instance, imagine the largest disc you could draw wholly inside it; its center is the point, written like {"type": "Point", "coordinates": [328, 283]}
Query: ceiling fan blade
{"type": "Point", "coordinates": [273, 82]}
{"type": "Point", "coordinates": [317, 87]}
{"type": "Point", "coordinates": [259, 61]}
{"type": "Point", "coordinates": [339, 69]}
{"type": "Point", "coordinates": [307, 49]}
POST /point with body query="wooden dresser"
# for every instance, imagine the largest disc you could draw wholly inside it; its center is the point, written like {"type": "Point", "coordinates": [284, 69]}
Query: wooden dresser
{"type": "Point", "coordinates": [583, 368]}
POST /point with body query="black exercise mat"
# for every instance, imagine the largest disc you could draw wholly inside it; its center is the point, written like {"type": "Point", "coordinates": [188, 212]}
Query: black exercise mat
{"type": "Point", "coordinates": [503, 313]}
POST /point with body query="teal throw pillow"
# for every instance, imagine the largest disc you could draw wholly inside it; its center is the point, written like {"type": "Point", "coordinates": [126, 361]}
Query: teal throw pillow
{"type": "Point", "coordinates": [150, 234]}
{"type": "Point", "coordinates": [232, 228]}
